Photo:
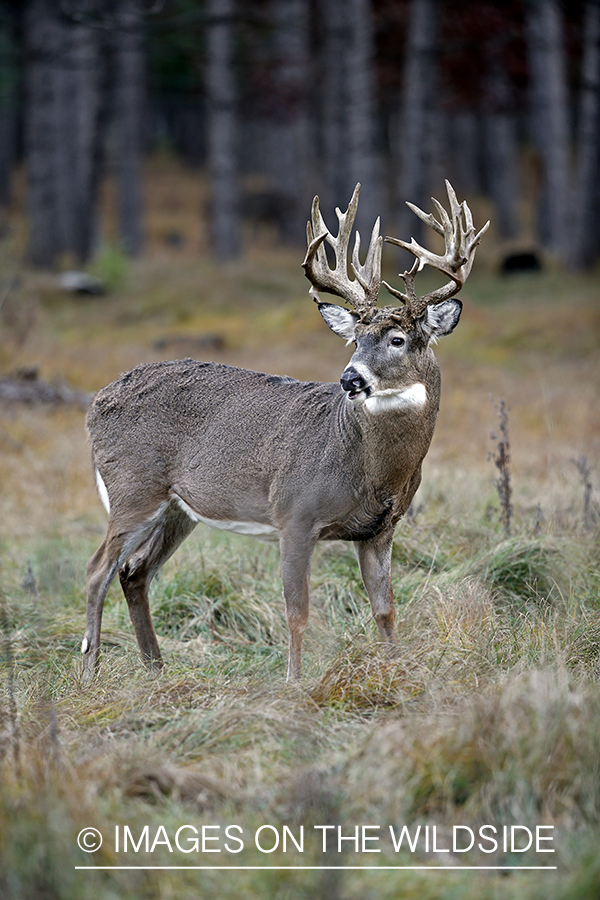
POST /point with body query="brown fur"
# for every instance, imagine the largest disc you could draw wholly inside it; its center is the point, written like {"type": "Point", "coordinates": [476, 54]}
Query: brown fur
{"type": "Point", "coordinates": [243, 446]}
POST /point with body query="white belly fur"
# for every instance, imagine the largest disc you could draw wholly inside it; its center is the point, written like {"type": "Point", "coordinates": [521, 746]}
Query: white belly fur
{"type": "Point", "coordinates": [256, 529]}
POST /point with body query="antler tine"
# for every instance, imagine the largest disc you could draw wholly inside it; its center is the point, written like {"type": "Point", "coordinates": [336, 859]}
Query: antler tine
{"type": "Point", "coordinates": [410, 297]}
{"type": "Point", "coordinates": [369, 274]}
{"type": "Point", "coordinates": [362, 291]}
{"type": "Point", "coordinates": [460, 243]}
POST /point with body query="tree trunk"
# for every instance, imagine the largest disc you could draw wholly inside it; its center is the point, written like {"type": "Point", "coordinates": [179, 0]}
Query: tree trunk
{"type": "Point", "coordinates": [80, 95]}
{"type": "Point", "coordinates": [362, 115]}
{"type": "Point", "coordinates": [336, 30]}
{"type": "Point", "coordinates": [128, 74]}
{"type": "Point", "coordinates": [287, 131]}
{"type": "Point", "coordinates": [500, 147]}
{"type": "Point", "coordinates": [223, 128]}
{"type": "Point", "coordinates": [466, 152]}
{"type": "Point", "coordinates": [546, 58]}
{"type": "Point", "coordinates": [416, 112]}
{"type": "Point", "coordinates": [64, 91]}
{"type": "Point", "coordinates": [42, 48]}
{"type": "Point", "coordinates": [349, 107]}
{"type": "Point", "coordinates": [586, 232]}
{"type": "Point", "coordinates": [8, 149]}
{"type": "Point", "coordinates": [8, 104]}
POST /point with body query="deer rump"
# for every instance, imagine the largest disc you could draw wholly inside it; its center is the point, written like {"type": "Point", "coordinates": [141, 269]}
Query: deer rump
{"type": "Point", "coordinates": [222, 445]}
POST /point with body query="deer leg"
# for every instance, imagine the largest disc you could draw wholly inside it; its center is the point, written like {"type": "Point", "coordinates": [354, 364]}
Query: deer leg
{"type": "Point", "coordinates": [296, 554]}
{"type": "Point", "coordinates": [137, 573]}
{"type": "Point", "coordinates": [101, 570]}
{"type": "Point", "coordinates": [375, 558]}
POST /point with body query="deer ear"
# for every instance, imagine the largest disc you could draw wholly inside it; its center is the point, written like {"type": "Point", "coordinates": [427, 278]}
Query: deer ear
{"type": "Point", "coordinates": [341, 321]}
{"type": "Point", "coordinates": [442, 318]}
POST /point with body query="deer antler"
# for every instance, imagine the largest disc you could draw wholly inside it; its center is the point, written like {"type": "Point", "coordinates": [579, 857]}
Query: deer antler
{"type": "Point", "coordinates": [461, 241]}
{"type": "Point", "coordinates": [361, 291]}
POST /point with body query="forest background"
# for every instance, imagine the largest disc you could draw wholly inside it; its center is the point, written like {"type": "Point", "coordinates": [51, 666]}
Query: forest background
{"type": "Point", "coordinates": [277, 101]}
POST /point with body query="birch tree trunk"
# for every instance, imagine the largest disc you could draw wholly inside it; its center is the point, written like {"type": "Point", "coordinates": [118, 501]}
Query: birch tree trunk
{"type": "Point", "coordinates": [586, 195]}
{"type": "Point", "coordinates": [546, 58]}
{"type": "Point", "coordinates": [223, 128]}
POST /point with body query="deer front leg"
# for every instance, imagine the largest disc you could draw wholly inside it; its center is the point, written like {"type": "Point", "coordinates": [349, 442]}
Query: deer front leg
{"type": "Point", "coordinates": [375, 558]}
{"type": "Point", "coordinates": [296, 554]}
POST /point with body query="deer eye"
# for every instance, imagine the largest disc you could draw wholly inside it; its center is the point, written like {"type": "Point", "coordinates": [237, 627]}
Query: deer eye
{"type": "Point", "coordinates": [398, 341]}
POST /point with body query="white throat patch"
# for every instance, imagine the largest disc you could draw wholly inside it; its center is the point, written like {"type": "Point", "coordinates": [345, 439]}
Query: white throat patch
{"type": "Point", "coordinates": [413, 397]}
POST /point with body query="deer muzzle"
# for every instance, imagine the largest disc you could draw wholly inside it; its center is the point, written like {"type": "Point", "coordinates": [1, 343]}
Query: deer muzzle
{"type": "Point", "coordinates": [354, 383]}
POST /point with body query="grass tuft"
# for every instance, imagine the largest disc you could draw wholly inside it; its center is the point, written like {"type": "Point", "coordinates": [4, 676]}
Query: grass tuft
{"type": "Point", "coordinates": [522, 570]}
{"type": "Point", "coordinates": [526, 750]}
{"type": "Point", "coordinates": [363, 677]}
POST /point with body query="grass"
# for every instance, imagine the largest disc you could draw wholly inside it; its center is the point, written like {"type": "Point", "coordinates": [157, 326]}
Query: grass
{"type": "Point", "coordinates": [487, 716]}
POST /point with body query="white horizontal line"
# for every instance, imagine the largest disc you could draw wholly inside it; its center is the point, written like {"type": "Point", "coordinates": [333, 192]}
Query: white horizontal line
{"type": "Point", "coordinates": [319, 868]}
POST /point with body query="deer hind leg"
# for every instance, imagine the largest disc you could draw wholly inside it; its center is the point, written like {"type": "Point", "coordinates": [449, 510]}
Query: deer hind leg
{"type": "Point", "coordinates": [296, 553]}
{"type": "Point", "coordinates": [121, 542]}
{"type": "Point", "coordinates": [101, 570]}
{"type": "Point", "coordinates": [375, 558]}
{"type": "Point", "coordinates": [140, 568]}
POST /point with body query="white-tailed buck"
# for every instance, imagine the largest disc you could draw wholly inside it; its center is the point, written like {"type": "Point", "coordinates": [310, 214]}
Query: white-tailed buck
{"type": "Point", "coordinates": [177, 443]}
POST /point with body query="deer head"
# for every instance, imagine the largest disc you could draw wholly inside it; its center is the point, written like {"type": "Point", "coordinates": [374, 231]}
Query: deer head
{"type": "Point", "coordinates": [407, 328]}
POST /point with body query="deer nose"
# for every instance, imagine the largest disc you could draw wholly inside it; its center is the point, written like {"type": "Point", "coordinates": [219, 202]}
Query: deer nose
{"type": "Point", "coordinates": [352, 381]}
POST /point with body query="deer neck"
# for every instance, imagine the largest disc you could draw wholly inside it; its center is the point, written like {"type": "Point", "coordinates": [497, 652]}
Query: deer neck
{"type": "Point", "coordinates": [396, 426]}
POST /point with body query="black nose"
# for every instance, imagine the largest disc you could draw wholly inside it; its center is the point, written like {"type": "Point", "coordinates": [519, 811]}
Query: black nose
{"type": "Point", "coordinates": [352, 381]}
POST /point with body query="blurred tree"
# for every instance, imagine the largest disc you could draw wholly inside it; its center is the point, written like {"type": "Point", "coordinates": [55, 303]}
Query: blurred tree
{"type": "Point", "coordinates": [292, 97]}
{"type": "Point", "coordinates": [417, 101]}
{"type": "Point", "coordinates": [83, 67]}
{"type": "Point", "coordinates": [223, 130]}
{"type": "Point", "coordinates": [64, 97]}
{"type": "Point", "coordinates": [128, 104]}
{"type": "Point", "coordinates": [349, 107]}
{"type": "Point", "coordinates": [363, 113]}
{"type": "Point", "coordinates": [550, 120]}
{"type": "Point", "coordinates": [585, 230]}
{"type": "Point", "coordinates": [175, 42]}
{"type": "Point", "coordinates": [500, 148]}
{"type": "Point", "coordinates": [287, 128]}
{"type": "Point", "coordinates": [9, 99]}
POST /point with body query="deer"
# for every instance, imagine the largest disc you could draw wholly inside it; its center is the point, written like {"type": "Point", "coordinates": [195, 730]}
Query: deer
{"type": "Point", "coordinates": [175, 444]}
